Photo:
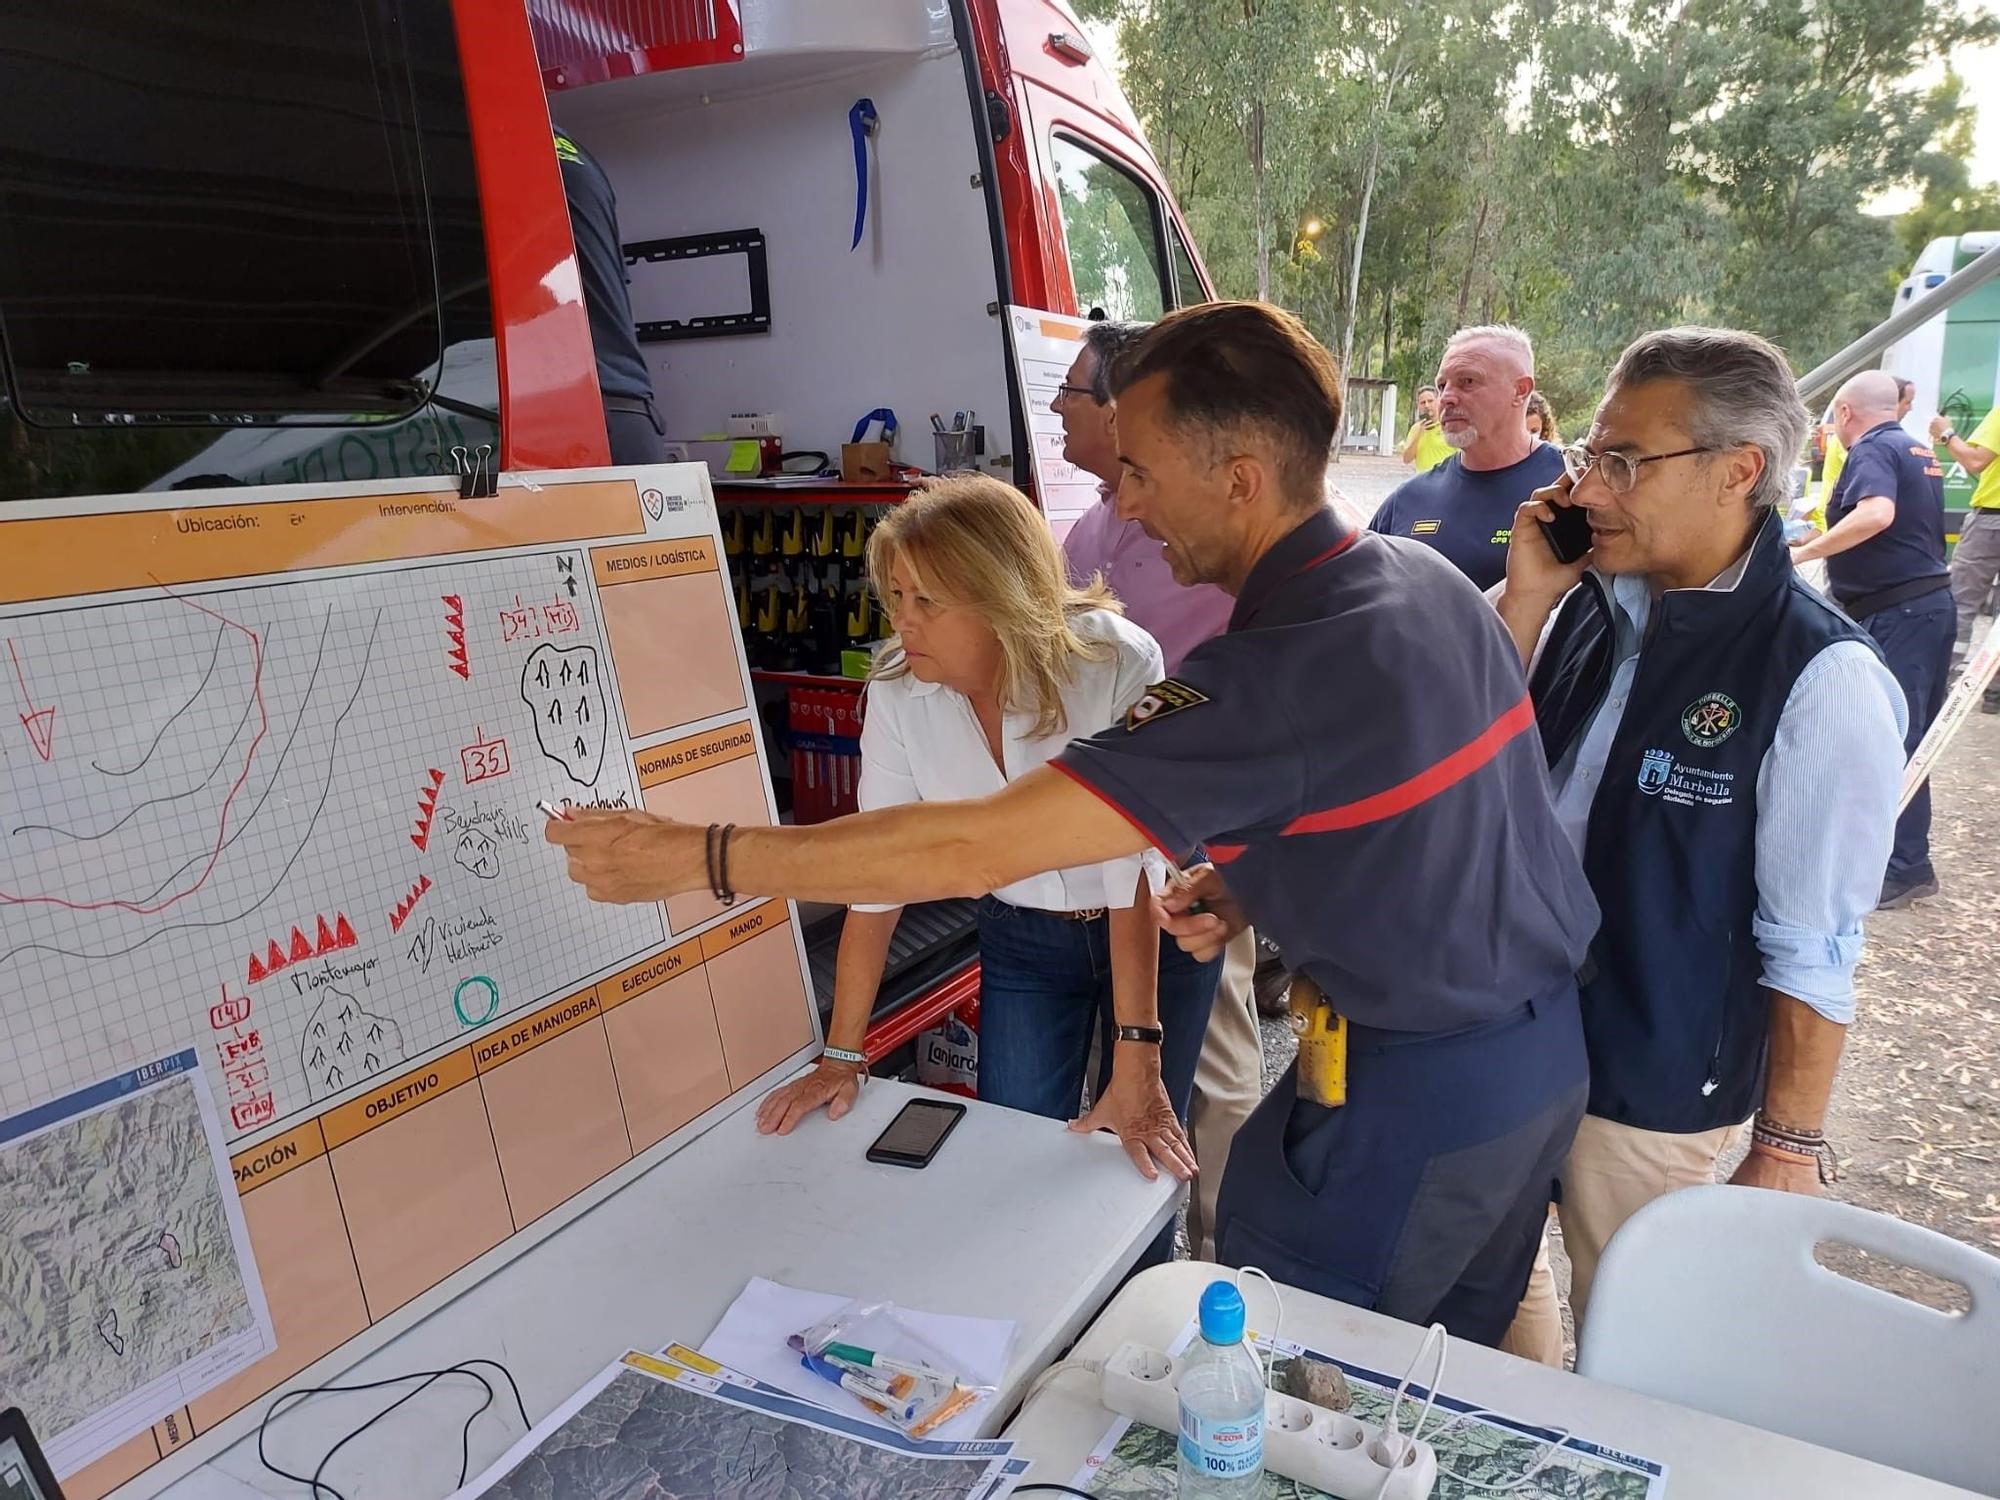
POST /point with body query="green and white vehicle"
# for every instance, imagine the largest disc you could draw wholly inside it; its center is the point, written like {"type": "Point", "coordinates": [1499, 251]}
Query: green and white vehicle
{"type": "Point", "coordinates": [1955, 359]}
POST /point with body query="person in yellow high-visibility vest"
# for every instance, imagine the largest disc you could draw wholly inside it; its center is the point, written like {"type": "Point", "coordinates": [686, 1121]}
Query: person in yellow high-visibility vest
{"type": "Point", "coordinates": [1425, 446]}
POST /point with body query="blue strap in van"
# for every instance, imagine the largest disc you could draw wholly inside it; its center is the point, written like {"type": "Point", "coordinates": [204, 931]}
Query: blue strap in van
{"type": "Point", "coordinates": [862, 123]}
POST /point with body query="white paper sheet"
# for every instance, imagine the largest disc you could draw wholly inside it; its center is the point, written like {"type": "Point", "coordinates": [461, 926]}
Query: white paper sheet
{"type": "Point", "coordinates": [751, 1338]}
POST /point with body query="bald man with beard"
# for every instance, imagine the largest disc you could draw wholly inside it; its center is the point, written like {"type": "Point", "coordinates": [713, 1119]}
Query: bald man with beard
{"type": "Point", "coordinates": [1884, 546]}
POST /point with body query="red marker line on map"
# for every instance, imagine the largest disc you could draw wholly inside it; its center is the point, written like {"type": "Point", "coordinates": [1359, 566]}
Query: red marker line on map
{"type": "Point", "coordinates": [39, 722]}
{"type": "Point", "coordinates": [147, 909]}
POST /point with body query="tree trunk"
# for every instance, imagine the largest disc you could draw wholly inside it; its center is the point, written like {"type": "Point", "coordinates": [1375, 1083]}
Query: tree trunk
{"type": "Point", "coordinates": [1257, 201]}
{"type": "Point", "coordinates": [1472, 257]}
{"type": "Point", "coordinates": [1361, 234]}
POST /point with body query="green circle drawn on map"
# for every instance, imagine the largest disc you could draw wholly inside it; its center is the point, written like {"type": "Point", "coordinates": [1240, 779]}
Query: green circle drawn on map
{"type": "Point", "coordinates": [492, 1000]}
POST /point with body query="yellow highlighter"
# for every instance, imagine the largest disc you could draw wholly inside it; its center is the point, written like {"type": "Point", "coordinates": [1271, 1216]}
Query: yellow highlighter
{"type": "Point", "coordinates": [1322, 1038]}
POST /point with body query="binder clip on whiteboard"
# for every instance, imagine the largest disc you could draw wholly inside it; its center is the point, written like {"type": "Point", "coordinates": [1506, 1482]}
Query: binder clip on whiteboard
{"type": "Point", "coordinates": [477, 478]}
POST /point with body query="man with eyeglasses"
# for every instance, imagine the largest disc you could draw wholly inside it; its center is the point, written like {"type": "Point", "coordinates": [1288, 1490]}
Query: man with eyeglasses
{"type": "Point", "coordinates": [1696, 700]}
{"type": "Point", "coordinates": [1464, 508]}
{"type": "Point", "coordinates": [1884, 546]}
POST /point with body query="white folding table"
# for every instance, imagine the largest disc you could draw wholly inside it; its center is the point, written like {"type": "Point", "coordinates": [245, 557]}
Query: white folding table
{"type": "Point", "coordinates": [1015, 1218]}
{"type": "Point", "coordinates": [1707, 1457]}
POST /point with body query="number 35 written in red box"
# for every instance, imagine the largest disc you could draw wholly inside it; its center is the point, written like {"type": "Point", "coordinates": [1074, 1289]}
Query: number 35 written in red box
{"type": "Point", "coordinates": [483, 760]}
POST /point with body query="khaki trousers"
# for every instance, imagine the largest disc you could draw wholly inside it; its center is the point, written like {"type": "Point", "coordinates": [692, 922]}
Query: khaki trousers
{"type": "Point", "coordinates": [1228, 1084]}
{"type": "Point", "coordinates": [1537, 1330]}
{"type": "Point", "coordinates": [1613, 1171]}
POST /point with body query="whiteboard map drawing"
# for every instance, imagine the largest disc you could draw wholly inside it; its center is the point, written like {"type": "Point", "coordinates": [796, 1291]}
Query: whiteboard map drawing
{"type": "Point", "coordinates": [271, 803]}
{"type": "Point", "coordinates": [127, 1286]}
{"type": "Point", "coordinates": [275, 744]}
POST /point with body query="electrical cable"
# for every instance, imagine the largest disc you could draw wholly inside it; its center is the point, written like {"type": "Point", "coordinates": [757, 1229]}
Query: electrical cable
{"type": "Point", "coordinates": [1059, 1368]}
{"type": "Point", "coordinates": [1278, 1325]}
{"type": "Point", "coordinates": [315, 1484]}
{"type": "Point", "coordinates": [1050, 1487]}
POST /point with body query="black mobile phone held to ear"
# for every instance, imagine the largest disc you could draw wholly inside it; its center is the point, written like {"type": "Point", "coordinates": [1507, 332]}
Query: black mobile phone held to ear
{"type": "Point", "coordinates": [916, 1133]}
{"type": "Point", "coordinates": [1568, 533]}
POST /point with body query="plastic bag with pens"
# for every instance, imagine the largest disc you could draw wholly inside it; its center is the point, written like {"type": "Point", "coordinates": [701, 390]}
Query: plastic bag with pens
{"type": "Point", "coordinates": [872, 1354]}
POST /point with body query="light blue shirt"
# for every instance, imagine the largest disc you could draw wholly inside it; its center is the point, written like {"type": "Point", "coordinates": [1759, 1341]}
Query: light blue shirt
{"type": "Point", "coordinates": [1826, 799]}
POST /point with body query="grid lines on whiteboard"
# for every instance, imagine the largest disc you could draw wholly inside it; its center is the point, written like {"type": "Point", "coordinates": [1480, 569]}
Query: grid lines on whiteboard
{"type": "Point", "coordinates": [295, 824]}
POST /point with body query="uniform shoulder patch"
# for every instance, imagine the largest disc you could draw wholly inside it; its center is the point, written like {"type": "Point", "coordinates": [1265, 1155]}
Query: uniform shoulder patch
{"type": "Point", "coordinates": [1425, 528]}
{"type": "Point", "coordinates": [1168, 696]}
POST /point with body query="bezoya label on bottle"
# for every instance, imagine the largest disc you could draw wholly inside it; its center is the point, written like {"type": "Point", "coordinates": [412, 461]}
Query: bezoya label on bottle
{"type": "Point", "coordinates": [1224, 1449]}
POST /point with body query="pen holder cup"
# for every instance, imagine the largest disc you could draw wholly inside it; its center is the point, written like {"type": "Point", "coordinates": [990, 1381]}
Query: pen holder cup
{"type": "Point", "coordinates": [955, 450]}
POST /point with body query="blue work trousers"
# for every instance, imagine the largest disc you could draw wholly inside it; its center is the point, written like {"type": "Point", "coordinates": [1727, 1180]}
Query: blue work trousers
{"type": "Point", "coordinates": [1916, 639]}
{"type": "Point", "coordinates": [1045, 990]}
{"type": "Point", "coordinates": [1424, 1196]}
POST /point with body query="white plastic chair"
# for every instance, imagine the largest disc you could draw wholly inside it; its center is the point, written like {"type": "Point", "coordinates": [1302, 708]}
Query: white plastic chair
{"type": "Point", "coordinates": [1710, 1298]}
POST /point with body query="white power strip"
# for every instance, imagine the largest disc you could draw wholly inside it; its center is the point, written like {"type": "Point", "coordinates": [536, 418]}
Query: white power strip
{"type": "Point", "coordinates": [1325, 1449]}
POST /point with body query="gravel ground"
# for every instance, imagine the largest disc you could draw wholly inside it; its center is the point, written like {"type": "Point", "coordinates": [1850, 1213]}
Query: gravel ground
{"type": "Point", "coordinates": [1915, 1116]}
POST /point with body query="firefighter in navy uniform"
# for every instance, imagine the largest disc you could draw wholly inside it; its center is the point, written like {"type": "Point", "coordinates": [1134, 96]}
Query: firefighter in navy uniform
{"type": "Point", "coordinates": [1357, 755]}
{"type": "Point", "coordinates": [1884, 546]}
{"type": "Point", "coordinates": [632, 420]}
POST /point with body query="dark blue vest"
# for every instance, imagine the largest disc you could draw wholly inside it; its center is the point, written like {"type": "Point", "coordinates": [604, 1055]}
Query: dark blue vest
{"type": "Point", "coordinates": [1675, 1014]}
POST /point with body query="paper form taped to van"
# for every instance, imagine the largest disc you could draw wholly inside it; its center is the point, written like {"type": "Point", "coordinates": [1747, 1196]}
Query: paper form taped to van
{"type": "Point", "coordinates": [271, 775]}
{"type": "Point", "coordinates": [1045, 345]}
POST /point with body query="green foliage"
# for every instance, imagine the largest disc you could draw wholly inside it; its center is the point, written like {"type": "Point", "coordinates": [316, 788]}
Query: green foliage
{"type": "Point", "coordinates": [1588, 169]}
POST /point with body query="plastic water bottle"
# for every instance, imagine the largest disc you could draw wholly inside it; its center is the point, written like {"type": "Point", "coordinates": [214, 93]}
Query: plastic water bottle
{"type": "Point", "coordinates": [1222, 1406]}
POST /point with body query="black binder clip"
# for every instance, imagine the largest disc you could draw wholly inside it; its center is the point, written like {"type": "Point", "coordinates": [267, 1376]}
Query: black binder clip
{"type": "Point", "coordinates": [477, 479]}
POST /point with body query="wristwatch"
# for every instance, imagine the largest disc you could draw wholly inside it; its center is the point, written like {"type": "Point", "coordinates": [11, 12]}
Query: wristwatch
{"type": "Point", "coordinates": [1151, 1034]}
{"type": "Point", "coordinates": [1949, 435]}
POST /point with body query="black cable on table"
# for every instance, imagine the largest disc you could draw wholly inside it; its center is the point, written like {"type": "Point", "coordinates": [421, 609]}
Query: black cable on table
{"type": "Point", "coordinates": [428, 1378]}
{"type": "Point", "coordinates": [1050, 1487]}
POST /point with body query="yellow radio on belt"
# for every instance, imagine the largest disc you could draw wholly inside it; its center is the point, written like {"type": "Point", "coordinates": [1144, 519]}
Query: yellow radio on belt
{"type": "Point", "coordinates": [1322, 1038]}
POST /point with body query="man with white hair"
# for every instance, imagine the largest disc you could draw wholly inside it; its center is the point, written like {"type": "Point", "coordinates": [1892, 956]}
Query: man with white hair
{"type": "Point", "coordinates": [1464, 508]}
{"type": "Point", "coordinates": [1884, 546]}
{"type": "Point", "coordinates": [1726, 750]}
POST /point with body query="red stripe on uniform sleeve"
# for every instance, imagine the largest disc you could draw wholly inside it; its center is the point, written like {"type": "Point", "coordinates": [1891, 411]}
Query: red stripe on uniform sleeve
{"type": "Point", "coordinates": [1112, 802]}
{"type": "Point", "coordinates": [1224, 854]}
{"type": "Point", "coordinates": [1426, 784]}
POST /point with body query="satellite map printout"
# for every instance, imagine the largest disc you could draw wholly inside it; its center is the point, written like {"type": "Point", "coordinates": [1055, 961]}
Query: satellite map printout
{"type": "Point", "coordinates": [646, 1429]}
{"type": "Point", "coordinates": [126, 1282]}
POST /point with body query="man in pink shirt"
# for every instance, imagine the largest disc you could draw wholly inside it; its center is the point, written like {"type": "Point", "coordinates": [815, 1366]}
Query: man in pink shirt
{"type": "Point", "coordinates": [1178, 618]}
{"type": "Point", "coordinates": [1229, 1079]}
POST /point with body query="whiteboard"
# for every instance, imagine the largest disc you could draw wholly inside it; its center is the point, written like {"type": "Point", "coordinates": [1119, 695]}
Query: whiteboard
{"type": "Point", "coordinates": [270, 774]}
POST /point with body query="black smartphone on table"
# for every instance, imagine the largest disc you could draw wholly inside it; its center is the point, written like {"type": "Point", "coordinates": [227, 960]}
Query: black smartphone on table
{"type": "Point", "coordinates": [916, 1133]}
{"type": "Point", "coordinates": [1568, 533]}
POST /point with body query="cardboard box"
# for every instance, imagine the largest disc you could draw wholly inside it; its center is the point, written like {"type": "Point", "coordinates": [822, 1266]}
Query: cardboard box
{"type": "Point", "coordinates": [865, 463]}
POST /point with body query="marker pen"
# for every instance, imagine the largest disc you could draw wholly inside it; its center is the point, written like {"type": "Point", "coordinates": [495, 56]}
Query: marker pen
{"type": "Point", "coordinates": [548, 809]}
{"type": "Point", "coordinates": [862, 1390]}
{"type": "Point", "coordinates": [868, 1358]}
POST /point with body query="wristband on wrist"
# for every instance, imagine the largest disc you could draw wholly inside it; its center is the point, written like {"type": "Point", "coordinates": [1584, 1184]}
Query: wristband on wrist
{"type": "Point", "coordinates": [841, 1054]}
{"type": "Point", "coordinates": [1152, 1035]}
{"type": "Point", "coordinates": [1795, 1145]}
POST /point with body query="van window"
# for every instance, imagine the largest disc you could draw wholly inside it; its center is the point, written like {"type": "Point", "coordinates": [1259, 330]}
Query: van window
{"type": "Point", "coordinates": [1111, 226]}
{"type": "Point", "coordinates": [234, 217]}
{"type": "Point", "coordinates": [1187, 280]}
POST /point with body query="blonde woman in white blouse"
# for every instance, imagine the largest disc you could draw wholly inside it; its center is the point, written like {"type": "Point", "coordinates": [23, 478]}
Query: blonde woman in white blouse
{"type": "Point", "coordinates": [996, 664]}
